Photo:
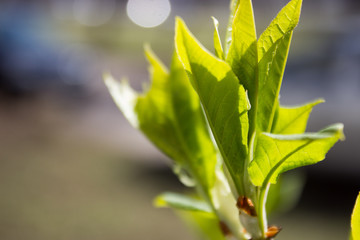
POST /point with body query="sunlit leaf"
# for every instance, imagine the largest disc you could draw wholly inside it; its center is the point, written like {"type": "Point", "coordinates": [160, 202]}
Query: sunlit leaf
{"type": "Point", "coordinates": [355, 220]}
{"type": "Point", "coordinates": [292, 120]}
{"type": "Point", "coordinates": [276, 153]}
{"type": "Point", "coordinates": [218, 117]}
{"type": "Point", "coordinates": [124, 96]}
{"type": "Point", "coordinates": [170, 115]}
{"type": "Point", "coordinates": [224, 100]}
{"type": "Point", "coordinates": [242, 55]}
{"type": "Point", "coordinates": [285, 22]}
{"type": "Point", "coordinates": [228, 38]}
{"type": "Point", "coordinates": [273, 49]}
{"type": "Point", "coordinates": [217, 41]}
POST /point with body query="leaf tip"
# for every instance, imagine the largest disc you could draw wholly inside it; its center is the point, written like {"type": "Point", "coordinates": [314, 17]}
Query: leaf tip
{"type": "Point", "coordinates": [147, 47]}
{"type": "Point", "coordinates": [106, 76]}
{"type": "Point", "coordinates": [341, 132]}
{"type": "Point", "coordinates": [159, 201]}
{"type": "Point", "coordinates": [178, 22]}
{"type": "Point", "coordinates": [109, 79]}
{"type": "Point", "coordinates": [124, 97]}
{"type": "Point", "coordinates": [336, 129]}
{"type": "Point", "coordinates": [215, 21]}
{"type": "Point", "coordinates": [320, 100]}
{"type": "Point", "coordinates": [149, 54]}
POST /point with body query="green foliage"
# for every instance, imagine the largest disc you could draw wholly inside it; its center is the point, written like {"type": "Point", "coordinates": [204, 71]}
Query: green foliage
{"type": "Point", "coordinates": [355, 221]}
{"type": "Point", "coordinates": [169, 114]}
{"type": "Point", "coordinates": [277, 153]}
{"type": "Point", "coordinates": [273, 48]}
{"type": "Point", "coordinates": [217, 40]}
{"type": "Point", "coordinates": [291, 120]}
{"type": "Point", "coordinates": [224, 100]}
{"type": "Point", "coordinates": [181, 202]}
{"type": "Point", "coordinates": [242, 55]}
{"type": "Point", "coordinates": [219, 118]}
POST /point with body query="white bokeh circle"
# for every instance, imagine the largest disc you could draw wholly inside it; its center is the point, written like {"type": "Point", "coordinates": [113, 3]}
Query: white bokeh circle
{"type": "Point", "coordinates": [148, 13]}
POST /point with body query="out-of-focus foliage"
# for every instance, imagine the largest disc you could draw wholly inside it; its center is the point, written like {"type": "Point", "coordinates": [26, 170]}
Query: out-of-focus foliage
{"type": "Point", "coordinates": [355, 221]}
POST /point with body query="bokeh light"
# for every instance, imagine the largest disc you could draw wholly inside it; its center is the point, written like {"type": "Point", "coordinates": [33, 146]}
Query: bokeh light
{"type": "Point", "coordinates": [148, 13]}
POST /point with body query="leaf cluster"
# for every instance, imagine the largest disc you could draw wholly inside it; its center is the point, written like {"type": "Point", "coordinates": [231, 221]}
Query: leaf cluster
{"type": "Point", "coordinates": [219, 118]}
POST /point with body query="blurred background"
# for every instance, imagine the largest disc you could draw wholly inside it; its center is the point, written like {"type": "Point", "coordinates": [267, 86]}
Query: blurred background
{"type": "Point", "coordinates": [71, 167]}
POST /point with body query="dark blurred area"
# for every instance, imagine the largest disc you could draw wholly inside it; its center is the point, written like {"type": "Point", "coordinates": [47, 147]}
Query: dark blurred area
{"type": "Point", "coordinates": [71, 167]}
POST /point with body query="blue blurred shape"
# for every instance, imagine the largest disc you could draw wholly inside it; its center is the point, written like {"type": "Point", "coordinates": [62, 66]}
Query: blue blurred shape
{"type": "Point", "coordinates": [29, 62]}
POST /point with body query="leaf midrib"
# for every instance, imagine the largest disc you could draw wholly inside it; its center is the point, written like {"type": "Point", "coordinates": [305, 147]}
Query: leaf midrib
{"type": "Point", "coordinates": [276, 50]}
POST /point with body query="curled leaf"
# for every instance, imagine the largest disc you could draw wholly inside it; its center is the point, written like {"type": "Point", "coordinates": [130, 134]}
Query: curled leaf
{"type": "Point", "coordinates": [276, 153]}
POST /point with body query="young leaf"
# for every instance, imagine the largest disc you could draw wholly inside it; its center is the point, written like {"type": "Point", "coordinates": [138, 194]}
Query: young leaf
{"type": "Point", "coordinates": [275, 154]}
{"type": "Point", "coordinates": [224, 100]}
{"type": "Point", "coordinates": [242, 56]}
{"type": "Point", "coordinates": [228, 38]}
{"type": "Point", "coordinates": [355, 220]}
{"type": "Point", "coordinates": [124, 96]}
{"type": "Point", "coordinates": [284, 22]}
{"type": "Point", "coordinates": [273, 48]}
{"type": "Point", "coordinates": [192, 127]}
{"type": "Point", "coordinates": [170, 115]}
{"type": "Point", "coordinates": [217, 41]}
{"type": "Point", "coordinates": [182, 202]}
{"type": "Point", "coordinates": [293, 120]}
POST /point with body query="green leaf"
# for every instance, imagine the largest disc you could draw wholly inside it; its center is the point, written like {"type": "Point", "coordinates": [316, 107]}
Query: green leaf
{"type": "Point", "coordinates": [355, 220]}
{"type": "Point", "coordinates": [293, 120]}
{"type": "Point", "coordinates": [228, 38]}
{"type": "Point", "coordinates": [284, 22]}
{"type": "Point", "coordinates": [197, 213]}
{"type": "Point", "coordinates": [182, 202]}
{"type": "Point", "coordinates": [217, 41]}
{"type": "Point", "coordinates": [242, 56]}
{"type": "Point", "coordinates": [155, 112]}
{"type": "Point", "coordinates": [273, 49]}
{"type": "Point", "coordinates": [275, 153]}
{"type": "Point", "coordinates": [170, 115]}
{"type": "Point", "coordinates": [223, 99]}
{"type": "Point", "coordinates": [124, 96]}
